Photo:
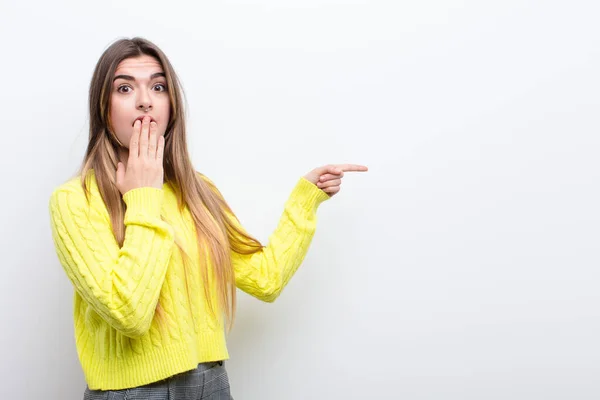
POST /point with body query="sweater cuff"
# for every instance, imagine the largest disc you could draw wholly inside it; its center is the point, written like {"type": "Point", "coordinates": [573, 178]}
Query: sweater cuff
{"type": "Point", "coordinates": [145, 200]}
{"type": "Point", "coordinates": [308, 195]}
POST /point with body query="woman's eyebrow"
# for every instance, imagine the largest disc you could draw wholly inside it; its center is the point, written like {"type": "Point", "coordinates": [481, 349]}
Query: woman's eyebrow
{"type": "Point", "coordinates": [131, 78]}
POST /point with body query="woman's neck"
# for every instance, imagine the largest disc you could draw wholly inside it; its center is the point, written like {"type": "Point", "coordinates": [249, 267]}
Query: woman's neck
{"type": "Point", "coordinates": [124, 156]}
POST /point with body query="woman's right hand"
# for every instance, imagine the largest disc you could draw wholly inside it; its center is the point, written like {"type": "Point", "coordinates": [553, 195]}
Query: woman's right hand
{"type": "Point", "coordinates": [145, 162]}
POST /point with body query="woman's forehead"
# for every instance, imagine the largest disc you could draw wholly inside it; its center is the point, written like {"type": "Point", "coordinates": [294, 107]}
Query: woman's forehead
{"type": "Point", "coordinates": [142, 64]}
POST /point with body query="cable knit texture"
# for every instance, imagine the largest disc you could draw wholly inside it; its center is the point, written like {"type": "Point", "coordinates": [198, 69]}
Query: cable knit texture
{"type": "Point", "coordinates": [123, 339]}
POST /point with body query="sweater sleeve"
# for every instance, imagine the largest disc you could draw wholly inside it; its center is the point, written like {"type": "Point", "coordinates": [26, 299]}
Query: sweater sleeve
{"type": "Point", "coordinates": [121, 284]}
{"type": "Point", "coordinates": [265, 273]}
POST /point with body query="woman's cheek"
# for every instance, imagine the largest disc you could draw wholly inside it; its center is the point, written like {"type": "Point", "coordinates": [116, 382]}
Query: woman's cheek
{"type": "Point", "coordinates": [122, 131]}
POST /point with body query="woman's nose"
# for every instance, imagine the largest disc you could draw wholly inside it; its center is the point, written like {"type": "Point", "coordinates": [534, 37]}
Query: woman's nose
{"type": "Point", "coordinates": [144, 102]}
{"type": "Point", "coordinates": [145, 106]}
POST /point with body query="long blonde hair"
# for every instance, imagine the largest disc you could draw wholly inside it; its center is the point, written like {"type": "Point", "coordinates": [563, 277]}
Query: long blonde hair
{"type": "Point", "coordinates": [217, 234]}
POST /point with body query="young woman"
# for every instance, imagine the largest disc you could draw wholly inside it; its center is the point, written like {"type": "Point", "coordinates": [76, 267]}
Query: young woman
{"type": "Point", "coordinates": [153, 250]}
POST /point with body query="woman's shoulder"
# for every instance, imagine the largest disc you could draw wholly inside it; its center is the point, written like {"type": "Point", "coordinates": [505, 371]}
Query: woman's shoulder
{"type": "Point", "coordinates": [73, 188]}
{"type": "Point", "coordinates": [204, 178]}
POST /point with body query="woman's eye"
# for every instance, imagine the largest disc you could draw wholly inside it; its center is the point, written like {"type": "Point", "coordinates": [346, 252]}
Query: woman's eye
{"type": "Point", "coordinates": [160, 87]}
{"type": "Point", "coordinates": [121, 89]}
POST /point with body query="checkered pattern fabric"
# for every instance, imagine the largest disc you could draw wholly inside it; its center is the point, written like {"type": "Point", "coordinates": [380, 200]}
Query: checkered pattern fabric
{"type": "Point", "coordinates": [209, 381]}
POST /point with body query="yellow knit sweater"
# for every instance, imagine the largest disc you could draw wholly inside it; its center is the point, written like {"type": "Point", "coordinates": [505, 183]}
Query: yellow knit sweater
{"type": "Point", "coordinates": [122, 341]}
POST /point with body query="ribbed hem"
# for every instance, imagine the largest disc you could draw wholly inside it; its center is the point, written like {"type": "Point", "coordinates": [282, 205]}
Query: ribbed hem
{"type": "Point", "coordinates": [308, 195]}
{"type": "Point", "coordinates": [146, 200]}
{"type": "Point", "coordinates": [153, 366]}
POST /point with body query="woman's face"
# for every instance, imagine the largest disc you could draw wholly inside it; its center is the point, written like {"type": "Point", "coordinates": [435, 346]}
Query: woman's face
{"type": "Point", "coordinates": [139, 88]}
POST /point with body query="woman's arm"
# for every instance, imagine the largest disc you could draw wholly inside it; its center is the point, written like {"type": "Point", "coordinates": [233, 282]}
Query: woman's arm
{"type": "Point", "coordinates": [122, 284]}
{"type": "Point", "coordinates": [264, 274]}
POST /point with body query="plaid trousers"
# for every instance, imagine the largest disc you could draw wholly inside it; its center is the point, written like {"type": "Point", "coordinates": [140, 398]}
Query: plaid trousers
{"type": "Point", "coordinates": [209, 381]}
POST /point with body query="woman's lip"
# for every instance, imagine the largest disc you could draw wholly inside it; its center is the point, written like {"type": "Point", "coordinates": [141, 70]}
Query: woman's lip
{"type": "Point", "coordinates": [141, 119]}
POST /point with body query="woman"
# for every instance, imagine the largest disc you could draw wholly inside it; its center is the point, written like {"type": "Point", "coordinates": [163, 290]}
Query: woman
{"type": "Point", "coordinates": [152, 249]}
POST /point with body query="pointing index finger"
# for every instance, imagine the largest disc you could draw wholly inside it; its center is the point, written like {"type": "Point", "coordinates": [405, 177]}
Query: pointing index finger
{"type": "Point", "coordinates": [352, 168]}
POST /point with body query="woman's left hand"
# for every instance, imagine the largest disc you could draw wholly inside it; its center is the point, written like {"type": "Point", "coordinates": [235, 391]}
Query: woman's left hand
{"type": "Point", "coordinates": [329, 177]}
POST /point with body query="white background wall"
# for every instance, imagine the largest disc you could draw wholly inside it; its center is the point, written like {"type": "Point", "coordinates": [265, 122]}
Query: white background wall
{"type": "Point", "coordinates": [463, 265]}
